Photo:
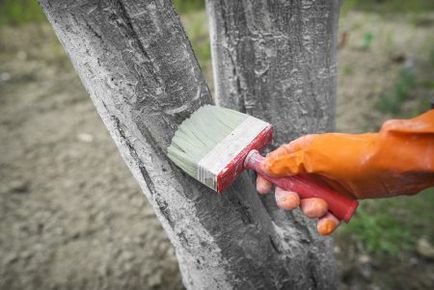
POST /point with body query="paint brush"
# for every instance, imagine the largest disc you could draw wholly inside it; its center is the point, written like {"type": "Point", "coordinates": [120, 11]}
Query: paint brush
{"type": "Point", "coordinates": [216, 144]}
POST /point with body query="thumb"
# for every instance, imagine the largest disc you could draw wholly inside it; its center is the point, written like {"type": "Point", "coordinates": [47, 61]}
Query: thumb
{"type": "Point", "coordinates": [288, 159]}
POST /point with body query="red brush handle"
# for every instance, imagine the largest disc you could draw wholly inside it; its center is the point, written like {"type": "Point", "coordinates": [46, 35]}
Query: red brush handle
{"type": "Point", "coordinates": [341, 206]}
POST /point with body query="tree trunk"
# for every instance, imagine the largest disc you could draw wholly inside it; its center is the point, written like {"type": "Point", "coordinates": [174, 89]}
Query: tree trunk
{"type": "Point", "coordinates": [276, 60]}
{"type": "Point", "coordinates": [136, 63]}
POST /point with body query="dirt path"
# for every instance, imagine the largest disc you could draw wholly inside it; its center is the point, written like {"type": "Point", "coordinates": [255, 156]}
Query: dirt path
{"type": "Point", "coordinates": [71, 214]}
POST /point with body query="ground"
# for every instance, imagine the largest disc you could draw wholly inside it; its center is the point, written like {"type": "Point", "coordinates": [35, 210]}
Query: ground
{"type": "Point", "coordinates": [72, 216]}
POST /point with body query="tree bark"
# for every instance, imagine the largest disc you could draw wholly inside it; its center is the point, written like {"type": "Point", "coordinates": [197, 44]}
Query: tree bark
{"type": "Point", "coordinates": [276, 60]}
{"type": "Point", "coordinates": [136, 63]}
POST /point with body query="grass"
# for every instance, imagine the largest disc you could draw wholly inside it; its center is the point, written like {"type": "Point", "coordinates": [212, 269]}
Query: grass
{"type": "Point", "coordinates": [184, 6]}
{"type": "Point", "coordinates": [391, 100]}
{"type": "Point", "coordinates": [197, 31]}
{"type": "Point", "coordinates": [387, 6]}
{"type": "Point", "coordinates": [196, 28]}
{"type": "Point", "coordinates": [368, 38]}
{"type": "Point", "coordinates": [16, 12]}
{"type": "Point", "coordinates": [431, 56]}
{"type": "Point", "coordinates": [411, 83]}
{"type": "Point", "coordinates": [389, 226]}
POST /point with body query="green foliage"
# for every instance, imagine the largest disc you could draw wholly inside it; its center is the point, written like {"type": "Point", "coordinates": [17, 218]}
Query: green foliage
{"type": "Point", "coordinates": [15, 12]}
{"type": "Point", "coordinates": [183, 6]}
{"type": "Point", "coordinates": [379, 232]}
{"type": "Point", "coordinates": [197, 31]}
{"type": "Point", "coordinates": [391, 100]}
{"type": "Point", "coordinates": [22, 11]}
{"type": "Point", "coordinates": [389, 226]}
{"type": "Point", "coordinates": [431, 56]}
{"type": "Point", "coordinates": [368, 38]}
{"type": "Point", "coordinates": [386, 6]}
{"type": "Point", "coordinates": [347, 69]}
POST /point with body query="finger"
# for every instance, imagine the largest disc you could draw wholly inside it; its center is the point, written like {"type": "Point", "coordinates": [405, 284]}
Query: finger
{"type": "Point", "coordinates": [292, 147]}
{"type": "Point", "coordinates": [280, 151]}
{"type": "Point", "coordinates": [300, 143]}
{"type": "Point", "coordinates": [289, 164]}
{"type": "Point", "coordinates": [263, 186]}
{"type": "Point", "coordinates": [288, 159]}
{"type": "Point", "coordinates": [286, 199]}
{"type": "Point", "coordinates": [327, 224]}
{"type": "Point", "coordinates": [314, 207]}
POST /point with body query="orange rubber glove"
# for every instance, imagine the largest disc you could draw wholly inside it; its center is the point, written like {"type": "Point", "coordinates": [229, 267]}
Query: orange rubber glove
{"type": "Point", "coordinates": [398, 160]}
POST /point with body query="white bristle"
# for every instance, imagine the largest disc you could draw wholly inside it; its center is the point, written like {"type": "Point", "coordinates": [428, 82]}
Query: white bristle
{"type": "Point", "coordinates": [200, 133]}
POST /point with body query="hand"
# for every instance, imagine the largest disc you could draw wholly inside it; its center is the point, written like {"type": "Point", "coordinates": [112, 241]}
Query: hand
{"type": "Point", "coordinates": [315, 208]}
{"type": "Point", "coordinates": [311, 207]}
{"type": "Point", "coordinates": [398, 160]}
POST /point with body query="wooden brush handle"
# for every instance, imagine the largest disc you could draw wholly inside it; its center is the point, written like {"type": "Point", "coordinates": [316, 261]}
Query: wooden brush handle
{"type": "Point", "coordinates": [341, 206]}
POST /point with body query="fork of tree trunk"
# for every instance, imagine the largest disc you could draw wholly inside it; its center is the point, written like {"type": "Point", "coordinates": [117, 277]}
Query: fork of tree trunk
{"type": "Point", "coordinates": [273, 59]}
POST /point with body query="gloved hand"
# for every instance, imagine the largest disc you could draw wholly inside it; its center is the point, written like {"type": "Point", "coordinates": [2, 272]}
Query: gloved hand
{"type": "Point", "coordinates": [398, 160]}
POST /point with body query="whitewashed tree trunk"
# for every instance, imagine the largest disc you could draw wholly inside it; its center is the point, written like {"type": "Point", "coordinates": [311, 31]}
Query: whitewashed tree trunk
{"type": "Point", "coordinates": [136, 63]}
{"type": "Point", "coordinates": [277, 60]}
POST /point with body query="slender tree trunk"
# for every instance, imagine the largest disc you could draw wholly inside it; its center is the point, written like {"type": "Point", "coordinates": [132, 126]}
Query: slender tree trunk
{"type": "Point", "coordinates": [135, 61]}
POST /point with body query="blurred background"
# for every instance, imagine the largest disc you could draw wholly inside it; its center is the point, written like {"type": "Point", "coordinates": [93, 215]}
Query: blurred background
{"type": "Point", "coordinates": [72, 216]}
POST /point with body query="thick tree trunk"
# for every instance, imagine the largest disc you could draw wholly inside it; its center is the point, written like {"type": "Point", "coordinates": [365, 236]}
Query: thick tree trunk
{"type": "Point", "coordinates": [138, 67]}
{"type": "Point", "coordinates": [277, 60]}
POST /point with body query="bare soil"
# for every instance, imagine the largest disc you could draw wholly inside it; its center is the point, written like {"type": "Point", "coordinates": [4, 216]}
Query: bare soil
{"type": "Point", "coordinates": [71, 214]}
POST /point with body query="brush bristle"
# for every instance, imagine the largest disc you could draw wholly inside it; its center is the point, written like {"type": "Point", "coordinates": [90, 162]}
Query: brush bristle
{"type": "Point", "coordinates": [200, 133]}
